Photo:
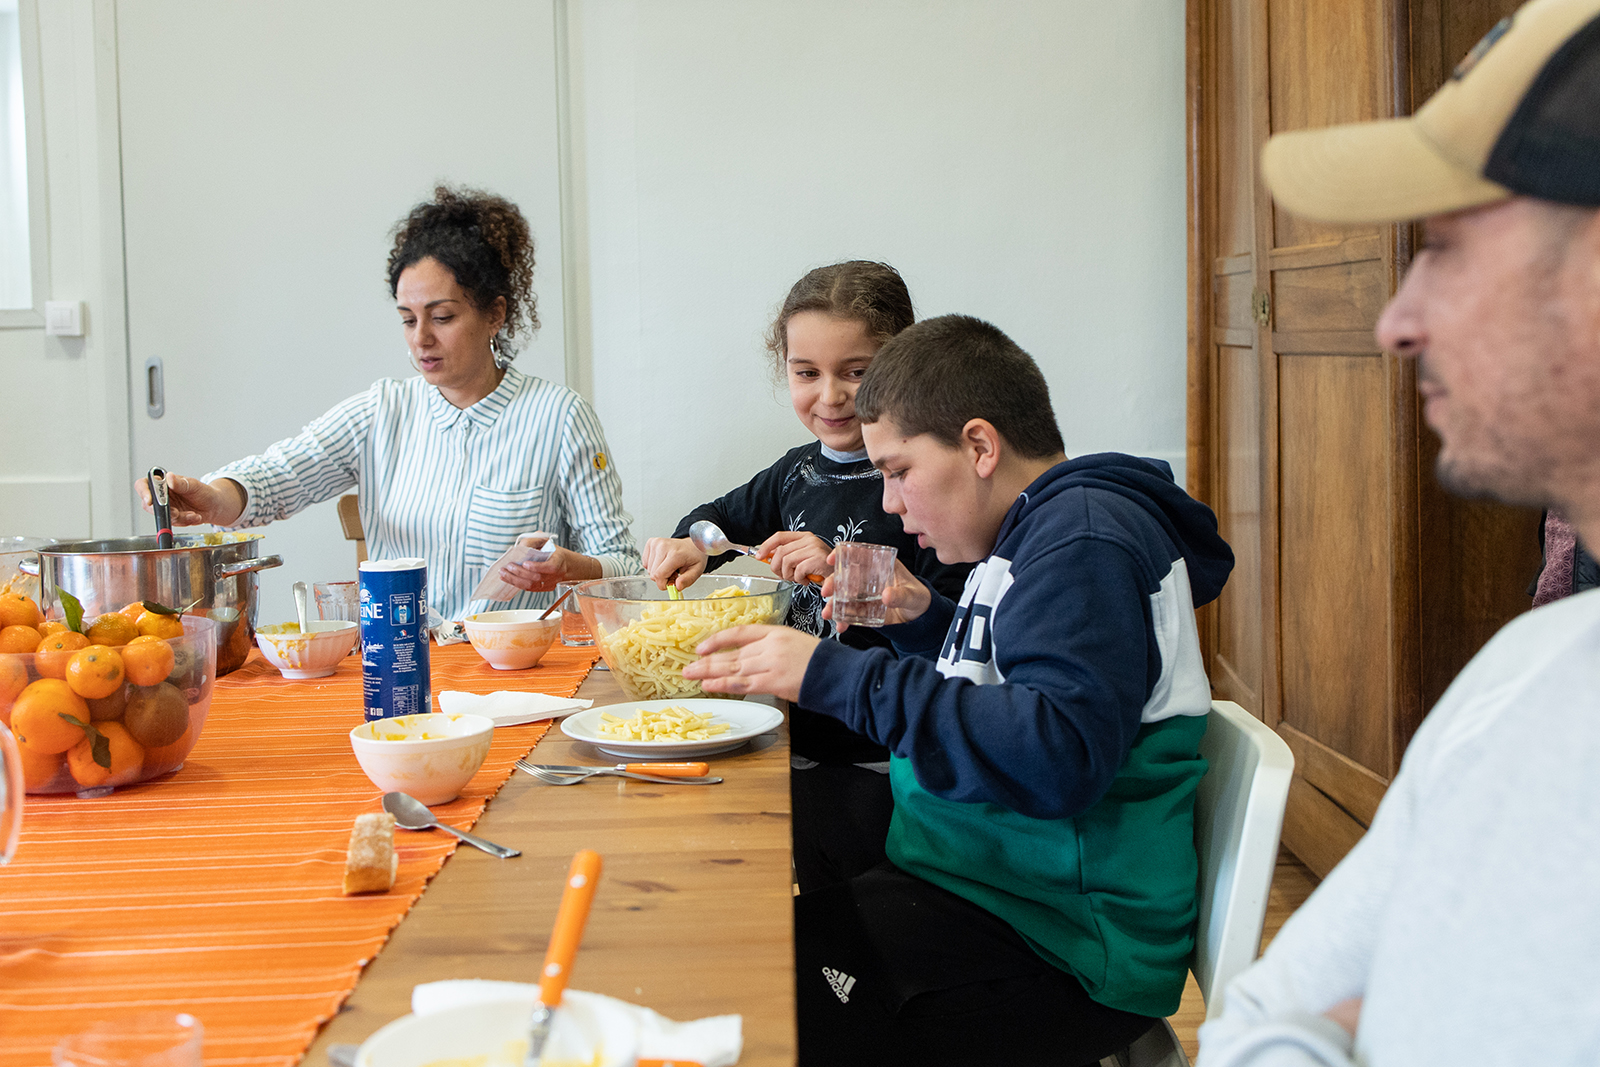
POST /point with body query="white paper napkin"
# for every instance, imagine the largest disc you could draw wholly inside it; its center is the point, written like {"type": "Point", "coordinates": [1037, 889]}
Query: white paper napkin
{"type": "Point", "coordinates": [528, 548]}
{"type": "Point", "coordinates": [510, 709]}
{"type": "Point", "coordinates": [624, 1032]}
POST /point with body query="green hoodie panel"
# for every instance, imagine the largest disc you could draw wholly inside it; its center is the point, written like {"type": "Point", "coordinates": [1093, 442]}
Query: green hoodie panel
{"type": "Point", "coordinates": [1108, 895]}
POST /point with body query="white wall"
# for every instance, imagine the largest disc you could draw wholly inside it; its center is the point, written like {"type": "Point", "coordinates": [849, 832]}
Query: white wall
{"type": "Point", "coordinates": [1020, 161]}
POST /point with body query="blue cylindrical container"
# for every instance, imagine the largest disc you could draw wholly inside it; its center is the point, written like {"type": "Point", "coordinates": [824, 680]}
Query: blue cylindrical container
{"type": "Point", "coordinates": [394, 638]}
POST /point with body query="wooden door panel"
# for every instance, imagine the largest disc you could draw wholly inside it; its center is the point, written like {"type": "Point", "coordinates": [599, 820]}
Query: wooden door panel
{"type": "Point", "coordinates": [1237, 662]}
{"type": "Point", "coordinates": [1234, 232]}
{"type": "Point", "coordinates": [1334, 575]}
{"type": "Point", "coordinates": [1339, 296]}
{"type": "Point", "coordinates": [1232, 300]}
{"type": "Point", "coordinates": [1325, 66]}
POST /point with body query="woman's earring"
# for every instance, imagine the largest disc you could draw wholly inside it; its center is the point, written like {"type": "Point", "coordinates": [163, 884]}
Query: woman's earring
{"type": "Point", "coordinates": [497, 350]}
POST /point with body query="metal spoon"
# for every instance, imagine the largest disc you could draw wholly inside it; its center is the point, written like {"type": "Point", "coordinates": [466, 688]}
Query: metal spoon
{"type": "Point", "coordinates": [557, 604]}
{"type": "Point", "coordinates": [300, 605]}
{"type": "Point", "coordinates": [708, 537]}
{"type": "Point", "coordinates": [411, 814]}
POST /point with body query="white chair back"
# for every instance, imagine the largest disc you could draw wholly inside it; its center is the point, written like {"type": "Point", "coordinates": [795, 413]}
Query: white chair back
{"type": "Point", "coordinates": [1238, 817]}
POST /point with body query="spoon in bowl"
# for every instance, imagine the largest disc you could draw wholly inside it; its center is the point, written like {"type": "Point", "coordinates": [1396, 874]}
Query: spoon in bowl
{"type": "Point", "coordinates": [411, 814]}
{"type": "Point", "coordinates": [300, 605]}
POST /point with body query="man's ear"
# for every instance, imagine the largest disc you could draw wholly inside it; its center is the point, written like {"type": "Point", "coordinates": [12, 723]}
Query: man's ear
{"type": "Point", "coordinates": [983, 444]}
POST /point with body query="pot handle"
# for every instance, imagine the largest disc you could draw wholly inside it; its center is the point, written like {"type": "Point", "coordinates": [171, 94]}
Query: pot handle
{"type": "Point", "coordinates": [245, 566]}
{"type": "Point", "coordinates": [30, 567]}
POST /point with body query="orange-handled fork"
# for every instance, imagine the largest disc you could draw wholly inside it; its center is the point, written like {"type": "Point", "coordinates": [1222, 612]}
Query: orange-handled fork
{"type": "Point", "coordinates": [665, 773]}
{"type": "Point", "coordinates": [570, 919]}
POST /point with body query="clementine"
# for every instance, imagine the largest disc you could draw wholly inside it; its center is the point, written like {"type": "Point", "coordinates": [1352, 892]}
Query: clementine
{"type": "Point", "coordinates": [37, 716]}
{"type": "Point", "coordinates": [126, 757]}
{"type": "Point", "coordinates": [112, 630]}
{"type": "Point", "coordinates": [109, 708]}
{"type": "Point", "coordinates": [19, 638]}
{"type": "Point", "coordinates": [132, 611]}
{"type": "Point", "coordinates": [168, 757]}
{"type": "Point", "coordinates": [13, 680]}
{"type": "Point", "coordinates": [157, 715]}
{"type": "Point", "coordinates": [38, 768]}
{"type": "Point", "coordinates": [19, 609]}
{"type": "Point", "coordinates": [148, 660]}
{"type": "Point", "coordinates": [154, 624]}
{"type": "Point", "coordinates": [95, 672]}
{"type": "Point", "coordinates": [55, 651]}
{"type": "Point", "coordinates": [53, 626]}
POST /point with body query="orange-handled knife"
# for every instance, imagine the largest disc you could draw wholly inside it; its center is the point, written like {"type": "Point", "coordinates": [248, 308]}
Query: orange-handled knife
{"type": "Point", "coordinates": [570, 919]}
{"type": "Point", "coordinates": [667, 770]}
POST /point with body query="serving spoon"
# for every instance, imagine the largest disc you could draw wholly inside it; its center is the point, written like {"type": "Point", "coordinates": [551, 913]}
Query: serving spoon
{"type": "Point", "coordinates": [708, 537]}
{"type": "Point", "coordinates": [411, 814]}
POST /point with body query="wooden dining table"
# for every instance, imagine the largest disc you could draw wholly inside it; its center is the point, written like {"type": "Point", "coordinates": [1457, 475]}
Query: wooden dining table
{"type": "Point", "coordinates": [693, 916]}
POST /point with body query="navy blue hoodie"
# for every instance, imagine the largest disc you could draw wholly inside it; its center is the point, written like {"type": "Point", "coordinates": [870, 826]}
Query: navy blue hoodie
{"type": "Point", "coordinates": [1043, 732]}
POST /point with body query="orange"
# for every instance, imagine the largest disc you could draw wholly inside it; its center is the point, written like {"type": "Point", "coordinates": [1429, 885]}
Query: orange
{"type": "Point", "coordinates": [38, 768]}
{"type": "Point", "coordinates": [13, 680]}
{"type": "Point", "coordinates": [19, 638]}
{"type": "Point", "coordinates": [112, 630]}
{"type": "Point", "coordinates": [157, 715]}
{"type": "Point", "coordinates": [55, 651]}
{"type": "Point", "coordinates": [53, 626]}
{"type": "Point", "coordinates": [148, 660]}
{"type": "Point", "coordinates": [132, 611]}
{"type": "Point", "coordinates": [19, 609]}
{"type": "Point", "coordinates": [111, 707]}
{"type": "Point", "coordinates": [95, 672]}
{"type": "Point", "coordinates": [36, 717]}
{"type": "Point", "coordinates": [126, 757]}
{"type": "Point", "coordinates": [167, 757]}
{"type": "Point", "coordinates": [152, 624]}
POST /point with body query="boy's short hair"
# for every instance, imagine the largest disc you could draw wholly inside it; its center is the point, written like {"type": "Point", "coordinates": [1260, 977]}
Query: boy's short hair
{"type": "Point", "coordinates": [936, 376]}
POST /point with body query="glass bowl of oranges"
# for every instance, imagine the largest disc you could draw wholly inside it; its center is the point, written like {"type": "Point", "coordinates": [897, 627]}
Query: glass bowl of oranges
{"type": "Point", "coordinates": [105, 703]}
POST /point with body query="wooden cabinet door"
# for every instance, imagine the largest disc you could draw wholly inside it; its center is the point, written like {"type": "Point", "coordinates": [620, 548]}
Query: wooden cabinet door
{"type": "Point", "coordinates": [1359, 585]}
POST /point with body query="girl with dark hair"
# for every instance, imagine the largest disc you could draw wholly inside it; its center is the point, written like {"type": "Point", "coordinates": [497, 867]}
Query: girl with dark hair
{"type": "Point", "coordinates": [453, 465]}
{"type": "Point", "coordinates": [830, 327]}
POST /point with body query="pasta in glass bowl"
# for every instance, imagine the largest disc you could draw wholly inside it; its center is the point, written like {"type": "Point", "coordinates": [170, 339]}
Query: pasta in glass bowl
{"type": "Point", "coordinates": [646, 638]}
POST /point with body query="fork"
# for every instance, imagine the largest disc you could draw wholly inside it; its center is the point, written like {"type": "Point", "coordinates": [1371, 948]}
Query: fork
{"type": "Point", "coordinates": [550, 777]}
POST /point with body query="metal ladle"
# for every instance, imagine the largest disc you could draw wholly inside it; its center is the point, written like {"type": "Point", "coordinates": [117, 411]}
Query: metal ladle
{"type": "Point", "coordinates": [411, 814]}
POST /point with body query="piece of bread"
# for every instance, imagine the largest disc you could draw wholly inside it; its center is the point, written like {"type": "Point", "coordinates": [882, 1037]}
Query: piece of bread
{"type": "Point", "coordinates": [371, 864]}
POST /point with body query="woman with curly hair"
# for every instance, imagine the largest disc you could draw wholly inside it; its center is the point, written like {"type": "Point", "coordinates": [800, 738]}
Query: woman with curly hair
{"type": "Point", "coordinates": [453, 465]}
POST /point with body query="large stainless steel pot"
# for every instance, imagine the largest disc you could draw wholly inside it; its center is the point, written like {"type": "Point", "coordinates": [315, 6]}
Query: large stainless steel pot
{"type": "Point", "coordinates": [217, 570]}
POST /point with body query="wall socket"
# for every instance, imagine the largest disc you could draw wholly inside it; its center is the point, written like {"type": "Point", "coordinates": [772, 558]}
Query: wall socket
{"type": "Point", "coordinates": [63, 318]}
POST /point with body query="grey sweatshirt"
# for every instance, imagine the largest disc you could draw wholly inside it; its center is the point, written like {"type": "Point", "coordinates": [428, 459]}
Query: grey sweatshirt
{"type": "Point", "coordinates": [1468, 918]}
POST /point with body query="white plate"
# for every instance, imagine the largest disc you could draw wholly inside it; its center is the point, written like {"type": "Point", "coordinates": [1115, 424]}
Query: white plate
{"type": "Point", "coordinates": [748, 718]}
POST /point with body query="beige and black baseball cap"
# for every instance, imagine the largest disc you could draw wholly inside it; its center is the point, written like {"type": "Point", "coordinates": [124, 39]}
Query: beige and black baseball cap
{"type": "Point", "coordinates": [1519, 115]}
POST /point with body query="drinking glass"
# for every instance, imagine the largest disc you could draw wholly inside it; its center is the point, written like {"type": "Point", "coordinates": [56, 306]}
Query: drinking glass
{"type": "Point", "coordinates": [12, 788]}
{"type": "Point", "coordinates": [861, 572]}
{"type": "Point", "coordinates": [574, 631]}
{"type": "Point", "coordinates": [148, 1039]}
{"type": "Point", "coordinates": [338, 600]}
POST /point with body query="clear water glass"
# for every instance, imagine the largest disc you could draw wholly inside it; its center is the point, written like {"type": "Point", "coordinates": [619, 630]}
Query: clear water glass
{"type": "Point", "coordinates": [574, 630]}
{"type": "Point", "coordinates": [861, 572]}
{"type": "Point", "coordinates": [147, 1039]}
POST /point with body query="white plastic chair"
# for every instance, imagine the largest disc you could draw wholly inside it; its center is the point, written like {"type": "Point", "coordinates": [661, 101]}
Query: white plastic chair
{"type": "Point", "coordinates": [1238, 816]}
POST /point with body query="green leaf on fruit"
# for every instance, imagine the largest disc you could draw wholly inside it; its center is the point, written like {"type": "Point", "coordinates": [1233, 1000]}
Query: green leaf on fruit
{"type": "Point", "coordinates": [160, 609]}
{"type": "Point", "coordinates": [99, 743]}
{"type": "Point", "coordinates": [74, 609]}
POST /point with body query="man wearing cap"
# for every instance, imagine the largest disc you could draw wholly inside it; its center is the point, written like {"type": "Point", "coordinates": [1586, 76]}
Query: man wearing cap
{"type": "Point", "coordinates": [1465, 927]}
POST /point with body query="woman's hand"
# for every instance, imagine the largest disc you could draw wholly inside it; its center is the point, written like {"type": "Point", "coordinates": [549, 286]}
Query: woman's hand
{"type": "Point", "coordinates": [674, 560]}
{"type": "Point", "coordinates": [905, 597]}
{"type": "Point", "coordinates": [753, 659]}
{"type": "Point", "coordinates": [796, 555]}
{"type": "Point", "coordinates": [564, 565]}
{"type": "Point", "coordinates": [193, 502]}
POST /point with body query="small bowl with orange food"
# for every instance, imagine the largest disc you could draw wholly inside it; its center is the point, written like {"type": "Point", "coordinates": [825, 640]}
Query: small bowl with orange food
{"type": "Point", "coordinates": [105, 706]}
{"type": "Point", "coordinates": [512, 640]}
{"type": "Point", "coordinates": [430, 756]}
{"type": "Point", "coordinates": [315, 653]}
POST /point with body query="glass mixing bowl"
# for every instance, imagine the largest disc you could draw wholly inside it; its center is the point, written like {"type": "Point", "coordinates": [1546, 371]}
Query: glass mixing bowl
{"type": "Point", "coordinates": [646, 638]}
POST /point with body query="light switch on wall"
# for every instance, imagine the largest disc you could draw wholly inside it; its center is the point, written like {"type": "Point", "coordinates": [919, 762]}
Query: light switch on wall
{"type": "Point", "coordinates": [63, 318]}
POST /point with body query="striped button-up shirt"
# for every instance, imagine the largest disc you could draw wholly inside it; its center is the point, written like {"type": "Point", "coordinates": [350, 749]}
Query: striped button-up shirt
{"type": "Point", "coordinates": [453, 486]}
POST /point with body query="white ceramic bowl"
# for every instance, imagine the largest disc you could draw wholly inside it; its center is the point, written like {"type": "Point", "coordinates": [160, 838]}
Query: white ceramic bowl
{"type": "Point", "coordinates": [308, 655]}
{"type": "Point", "coordinates": [432, 757]}
{"type": "Point", "coordinates": [512, 640]}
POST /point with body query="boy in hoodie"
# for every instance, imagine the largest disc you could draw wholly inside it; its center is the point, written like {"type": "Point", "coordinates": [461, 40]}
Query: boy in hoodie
{"type": "Point", "coordinates": [1039, 902]}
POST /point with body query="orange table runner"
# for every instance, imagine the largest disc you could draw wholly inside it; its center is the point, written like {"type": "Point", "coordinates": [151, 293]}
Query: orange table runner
{"type": "Point", "coordinates": [216, 890]}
